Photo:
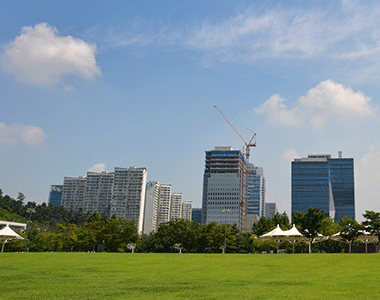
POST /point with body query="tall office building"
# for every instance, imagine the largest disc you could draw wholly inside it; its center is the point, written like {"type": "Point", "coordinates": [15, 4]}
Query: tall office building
{"type": "Point", "coordinates": [270, 210]}
{"type": "Point", "coordinates": [55, 195]}
{"type": "Point", "coordinates": [152, 196]}
{"type": "Point", "coordinates": [187, 207]}
{"type": "Point", "coordinates": [256, 191]}
{"type": "Point", "coordinates": [196, 215]}
{"type": "Point", "coordinates": [326, 183]}
{"type": "Point", "coordinates": [223, 186]}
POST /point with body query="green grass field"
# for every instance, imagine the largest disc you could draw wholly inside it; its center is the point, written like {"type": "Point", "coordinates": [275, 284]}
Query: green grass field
{"type": "Point", "coordinates": [183, 276]}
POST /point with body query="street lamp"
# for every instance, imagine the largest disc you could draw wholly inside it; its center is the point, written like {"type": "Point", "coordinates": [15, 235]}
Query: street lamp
{"type": "Point", "coordinates": [29, 211]}
{"type": "Point", "coordinates": [225, 212]}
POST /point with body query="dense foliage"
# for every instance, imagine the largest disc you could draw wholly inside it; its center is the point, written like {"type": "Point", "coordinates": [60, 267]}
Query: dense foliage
{"type": "Point", "coordinates": [57, 229]}
{"type": "Point", "coordinates": [50, 216]}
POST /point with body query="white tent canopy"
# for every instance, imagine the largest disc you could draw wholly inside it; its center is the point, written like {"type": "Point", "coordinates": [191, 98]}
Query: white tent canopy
{"type": "Point", "coordinates": [275, 232]}
{"type": "Point", "coordinates": [293, 236]}
{"type": "Point", "coordinates": [293, 231]}
{"type": "Point", "coordinates": [365, 237]}
{"type": "Point", "coordinates": [7, 234]}
{"type": "Point", "coordinates": [278, 236]}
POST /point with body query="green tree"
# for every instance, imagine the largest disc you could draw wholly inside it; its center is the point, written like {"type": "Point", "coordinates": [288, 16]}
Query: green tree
{"type": "Point", "coordinates": [372, 222]}
{"type": "Point", "coordinates": [350, 231]}
{"type": "Point", "coordinates": [309, 223]}
{"type": "Point", "coordinates": [263, 225]}
{"type": "Point", "coordinates": [282, 220]}
{"type": "Point", "coordinates": [328, 228]}
{"type": "Point", "coordinates": [21, 197]}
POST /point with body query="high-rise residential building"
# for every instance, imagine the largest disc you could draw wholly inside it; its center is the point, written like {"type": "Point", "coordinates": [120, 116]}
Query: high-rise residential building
{"type": "Point", "coordinates": [132, 184]}
{"type": "Point", "coordinates": [161, 206]}
{"type": "Point", "coordinates": [176, 206]}
{"type": "Point", "coordinates": [270, 210]}
{"type": "Point", "coordinates": [152, 196]}
{"type": "Point", "coordinates": [164, 205]}
{"type": "Point", "coordinates": [73, 192]}
{"type": "Point", "coordinates": [55, 195]}
{"type": "Point", "coordinates": [121, 193]}
{"type": "Point", "coordinates": [99, 192]}
{"type": "Point", "coordinates": [126, 194]}
{"type": "Point", "coordinates": [223, 186]}
{"type": "Point", "coordinates": [187, 210]}
{"type": "Point", "coordinates": [326, 183]}
{"type": "Point", "coordinates": [256, 191]}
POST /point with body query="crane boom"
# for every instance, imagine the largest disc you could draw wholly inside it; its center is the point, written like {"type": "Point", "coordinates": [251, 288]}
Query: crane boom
{"type": "Point", "coordinates": [244, 204]}
{"type": "Point", "coordinates": [245, 142]}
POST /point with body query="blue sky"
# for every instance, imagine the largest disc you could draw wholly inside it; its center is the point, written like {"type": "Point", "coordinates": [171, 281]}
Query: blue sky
{"type": "Point", "coordinates": [89, 85]}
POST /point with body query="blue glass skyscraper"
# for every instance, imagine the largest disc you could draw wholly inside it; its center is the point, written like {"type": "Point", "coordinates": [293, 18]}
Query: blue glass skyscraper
{"type": "Point", "coordinates": [326, 183]}
{"type": "Point", "coordinates": [55, 195]}
{"type": "Point", "coordinates": [256, 191]}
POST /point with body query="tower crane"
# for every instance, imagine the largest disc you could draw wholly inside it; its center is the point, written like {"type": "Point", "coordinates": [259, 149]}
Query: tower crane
{"type": "Point", "coordinates": [248, 145]}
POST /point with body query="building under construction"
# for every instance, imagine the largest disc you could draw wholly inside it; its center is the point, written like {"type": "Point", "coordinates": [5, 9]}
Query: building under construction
{"type": "Point", "coordinates": [224, 186]}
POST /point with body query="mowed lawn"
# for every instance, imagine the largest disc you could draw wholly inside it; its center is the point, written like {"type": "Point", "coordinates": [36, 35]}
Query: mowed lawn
{"type": "Point", "coordinates": [188, 276]}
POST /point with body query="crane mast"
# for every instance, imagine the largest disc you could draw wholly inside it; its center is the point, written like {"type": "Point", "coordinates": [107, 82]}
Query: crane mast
{"type": "Point", "coordinates": [248, 145]}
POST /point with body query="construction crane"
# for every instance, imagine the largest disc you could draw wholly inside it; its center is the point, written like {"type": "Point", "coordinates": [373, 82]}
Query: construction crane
{"type": "Point", "coordinates": [248, 145]}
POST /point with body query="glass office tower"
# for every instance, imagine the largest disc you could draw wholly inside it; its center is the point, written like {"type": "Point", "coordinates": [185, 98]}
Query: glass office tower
{"type": "Point", "coordinates": [55, 195]}
{"type": "Point", "coordinates": [325, 183]}
{"type": "Point", "coordinates": [223, 186]}
{"type": "Point", "coordinates": [256, 191]}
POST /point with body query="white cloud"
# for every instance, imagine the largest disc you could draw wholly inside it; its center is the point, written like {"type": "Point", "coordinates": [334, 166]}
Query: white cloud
{"type": "Point", "coordinates": [327, 101]}
{"type": "Point", "coordinates": [97, 168]}
{"type": "Point", "coordinates": [277, 112]}
{"type": "Point", "coordinates": [337, 100]}
{"type": "Point", "coordinates": [343, 30]}
{"type": "Point", "coordinates": [290, 155]}
{"type": "Point", "coordinates": [29, 134]}
{"type": "Point", "coordinates": [367, 181]}
{"type": "Point", "coordinates": [39, 56]}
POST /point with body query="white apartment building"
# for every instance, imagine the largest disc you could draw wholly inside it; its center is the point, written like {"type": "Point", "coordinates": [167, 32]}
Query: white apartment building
{"type": "Point", "coordinates": [164, 206]}
{"type": "Point", "coordinates": [176, 206]}
{"type": "Point", "coordinates": [121, 193]}
{"type": "Point", "coordinates": [152, 196]}
{"type": "Point", "coordinates": [187, 208]}
{"type": "Point", "coordinates": [129, 194]}
{"type": "Point", "coordinates": [98, 193]}
{"type": "Point", "coordinates": [73, 192]}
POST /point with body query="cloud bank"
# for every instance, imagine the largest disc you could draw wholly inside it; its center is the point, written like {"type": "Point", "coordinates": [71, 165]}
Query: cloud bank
{"type": "Point", "coordinates": [366, 180]}
{"type": "Point", "coordinates": [336, 30]}
{"type": "Point", "coordinates": [40, 56]}
{"type": "Point", "coordinates": [327, 101]}
{"type": "Point", "coordinates": [28, 134]}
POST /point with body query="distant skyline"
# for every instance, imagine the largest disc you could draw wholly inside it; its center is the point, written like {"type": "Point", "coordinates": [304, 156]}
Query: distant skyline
{"type": "Point", "coordinates": [90, 85]}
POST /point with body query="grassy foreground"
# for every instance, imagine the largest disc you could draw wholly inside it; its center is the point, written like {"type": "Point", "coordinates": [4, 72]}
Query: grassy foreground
{"type": "Point", "coordinates": [196, 276]}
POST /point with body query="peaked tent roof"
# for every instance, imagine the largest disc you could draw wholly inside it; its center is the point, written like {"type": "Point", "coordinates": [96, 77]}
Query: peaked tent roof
{"type": "Point", "coordinates": [275, 232]}
{"type": "Point", "coordinates": [293, 232]}
{"type": "Point", "coordinates": [7, 232]}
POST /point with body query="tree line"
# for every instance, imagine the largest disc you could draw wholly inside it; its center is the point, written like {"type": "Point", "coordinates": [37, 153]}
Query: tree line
{"type": "Point", "coordinates": [57, 229]}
